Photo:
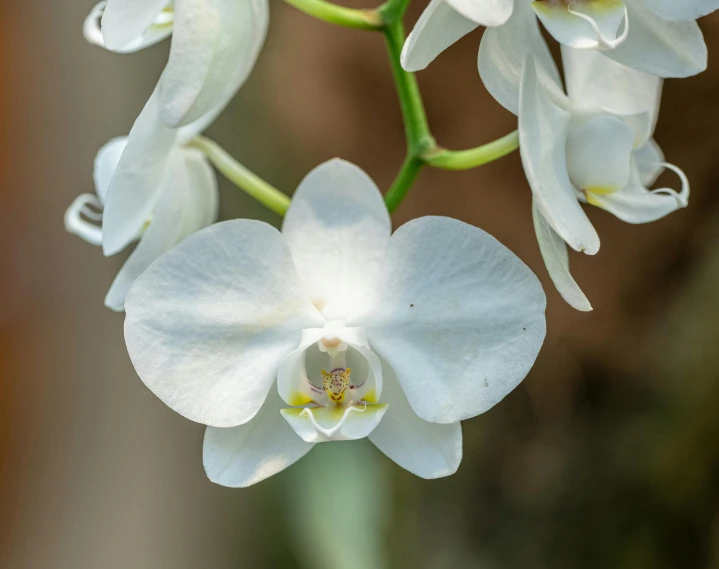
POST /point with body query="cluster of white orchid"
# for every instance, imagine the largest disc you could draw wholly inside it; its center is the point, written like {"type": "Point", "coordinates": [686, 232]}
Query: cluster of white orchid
{"type": "Point", "coordinates": [335, 328]}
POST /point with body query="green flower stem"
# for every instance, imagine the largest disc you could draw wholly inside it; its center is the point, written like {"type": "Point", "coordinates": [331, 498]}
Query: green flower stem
{"type": "Point", "coordinates": [474, 157]}
{"type": "Point", "coordinates": [253, 185]}
{"type": "Point", "coordinates": [418, 135]}
{"type": "Point", "coordinates": [347, 17]}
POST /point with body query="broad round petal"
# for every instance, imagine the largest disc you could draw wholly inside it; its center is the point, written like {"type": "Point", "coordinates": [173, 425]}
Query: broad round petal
{"type": "Point", "coordinates": [591, 24]}
{"type": "Point", "coordinates": [682, 10]}
{"type": "Point", "coordinates": [543, 133]}
{"type": "Point", "coordinates": [660, 47]}
{"type": "Point", "coordinates": [599, 154]}
{"type": "Point", "coordinates": [238, 457]}
{"type": "Point", "coordinates": [324, 424]}
{"type": "Point", "coordinates": [503, 51]}
{"type": "Point", "coordinates": [456, 315]}
{"type": "Point", "coordinates": [337, 228]}
{"type": "Point", "coordinates": [135, 186]}
{"type": "Point", "coordinates": [123, 21]}
{"type": "Point", "coordinates": [215, 45]}
{"type": "Point", "coordinates": [595, 82]}
{"type": "Point", "coordinates": [426, 449]}
{"type": "Point", "coordinates": [637, 204]}
{"type": "Point", "coordinates": [438, 27]}
{"type": "Point", "coordinates": [488, 13]}
{"type": "Point", "coordinates": [208, 323]}
{"type": "Point", "coordinates": [556, 259]}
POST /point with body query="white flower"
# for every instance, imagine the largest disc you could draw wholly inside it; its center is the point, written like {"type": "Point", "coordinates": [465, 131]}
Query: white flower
{"type": "Point", "coordinates": [395, 337]}
{"type": "Point", "coordinates": [636, 33]}
{"type": "Point", "coordinates": [593, 146]}
{"type": "Point", "coordinates": [214, 47]}
{"type": "Point", "coordinates": [151, 188]}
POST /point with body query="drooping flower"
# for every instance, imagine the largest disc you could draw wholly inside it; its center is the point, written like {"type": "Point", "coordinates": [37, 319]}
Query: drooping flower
{"type": "Point", "coordinates": [637, 33]}
{"type": "Point", "coordinates": [214, 47]}
{"type": "Point", "coordinates": [151, 172]}
{"type": "Point", "coordinates": [593, 145]}
{"type": "Point", "coordinates": [334, 329]}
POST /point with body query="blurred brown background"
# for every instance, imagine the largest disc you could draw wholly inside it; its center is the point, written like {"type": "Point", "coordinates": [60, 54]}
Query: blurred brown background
{"type": "Point", "coordinates": [606, 456]}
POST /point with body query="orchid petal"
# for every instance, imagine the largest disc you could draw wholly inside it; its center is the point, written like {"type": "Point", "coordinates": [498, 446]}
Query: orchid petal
{"type": "Point", "coordinates": [160, 29]}
{"type": "Point", "coordinates": [490, 13]}
{"type": "Point", "coordinates": [682, 10]}
{"type": "Point", "coordinates": [438, 27]}
{"type": "Point", "coordinates": [106, 161]}
{"type": "Point", "coordinates": [595, 82]}
{"type": "Point", "coordinates": [238, 457]}
{"type": "Point", "coordinates": [543, 134]}
{"type": "Point", "coordinates": [322, 424]}
{"type": "Point", "coordinates": [599, 154]}
{"type": "Point", "coordinates": [136, 183]}
{"type": "Point", "coordinates": [214, 47]}
{"type": "Point", "coordinates": [637, 204]}
{"type": "Point", "coordinates": [591, 24]}
{"type": "Point", "coordinates": [426, 449]}
{"type": "Point", "coordinates": [502, 53]}
{"type": "Point", "coordinates": [556, 259]}
{"type": "Point", "coordinates": [456, 315]}
{"type": "Point", "coordinates": [660, 47]}
{"type": "Point", "coordinates": [124, 21]}
{"type": "Point", "coordinates": [649, 160]}
{"type": "Point", "coordinates": [337, 228]}
{"type": "Point", "coordinates": [209, 321]}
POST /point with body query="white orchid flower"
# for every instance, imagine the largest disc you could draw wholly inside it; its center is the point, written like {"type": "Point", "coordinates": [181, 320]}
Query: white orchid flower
{"type": "Point", "coordinates": [214, 47]}
{"type": "Point", "coordinates": [150, 171]}
{"type": "Point", "coordinates": [334, 329]}
{"type": "Point", "coordinates": [593, 145]}
{"type": "Point", "coordinates": [635, 33]}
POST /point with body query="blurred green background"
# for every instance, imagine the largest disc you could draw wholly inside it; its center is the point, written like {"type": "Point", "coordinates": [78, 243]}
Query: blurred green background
{"type": "Point", "coordinates": [606, 456]}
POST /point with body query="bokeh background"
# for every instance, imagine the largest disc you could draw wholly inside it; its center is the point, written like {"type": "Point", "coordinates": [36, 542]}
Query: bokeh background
{"type": "Point", "coordinates": [606, 456]}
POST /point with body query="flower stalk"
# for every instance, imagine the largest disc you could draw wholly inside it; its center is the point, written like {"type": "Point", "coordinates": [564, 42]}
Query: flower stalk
{"type": "Point", "coordinates": [248, 181]}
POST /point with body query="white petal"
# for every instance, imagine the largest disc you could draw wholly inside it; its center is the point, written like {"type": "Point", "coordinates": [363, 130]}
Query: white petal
{"type": "Point", "coordinates": [489, 13]}
{"type": "Point", "coordinates": [241, 456]}
{"type": "Point", "coordinates": [323, 424]}
{"type": "Point", "coordinates": [160, 29]}
{"type": "Point", "coordinates": [502, 53]}
{"type": "Point", "coordinates": [208, 322]}
{"type": "Point", "coordinates": [649, 160]}
{"type": "Point", "coordinates": [76, 222]}
{"type": "Point", "coordinates": [682, 10]}
{"type": "Point", "coordinates": [456, 315]}
{"type": "Point", "coordinates": [599, 154]}
{"type": "Point", "coordinates": [187, 203]}
{"type": "Point", "coordinates": [337, 228]}
{"type": "Point", "coordinates": [543, 133]}
{"type": "Point", "coordinates": [428, 450]}
{"type": "Point", "coordinates": [595, 82]}
{"type": "Point", "coordinates": [660, 47]}
{"type": "Point", "coordinates": [438, 27]}
{"type": "Point", "coordinates": [637, 204]}
{"type": "Point", "coordinates": [126, 20]}
{"type": "Point", "coordinates": [136, 183]}
{"type": "Point", "coordinates": [106, 161]}
{"type": "Point", "coordinates": [556, 259]}
{"type": "Point", "coordinates": [214, 47]}
{"type": "Point", "coordinates": [591, 24]}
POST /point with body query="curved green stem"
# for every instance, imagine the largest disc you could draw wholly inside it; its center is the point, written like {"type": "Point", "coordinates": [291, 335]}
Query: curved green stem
{"type": "Point", "coordinates": [403, 182]}
{"type": "Point", "coordinates": [474, 157]}
{"type": "Point", "coordinates": [253, 185]}
{"type": "Point", "coordinates": [347, 17]}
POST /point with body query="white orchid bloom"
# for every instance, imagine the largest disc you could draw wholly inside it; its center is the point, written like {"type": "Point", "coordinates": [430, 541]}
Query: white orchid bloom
{"type": "Point", "coordinates": [151, 171]}
{"type": "Point", "coordinates": [632, 32]}
{"type": "Point", "coordinates": [592, 146]}
{"type": "Point", "coordinates": [214, 47]}
{"type": "Point", "coordinates": [334, 329]}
